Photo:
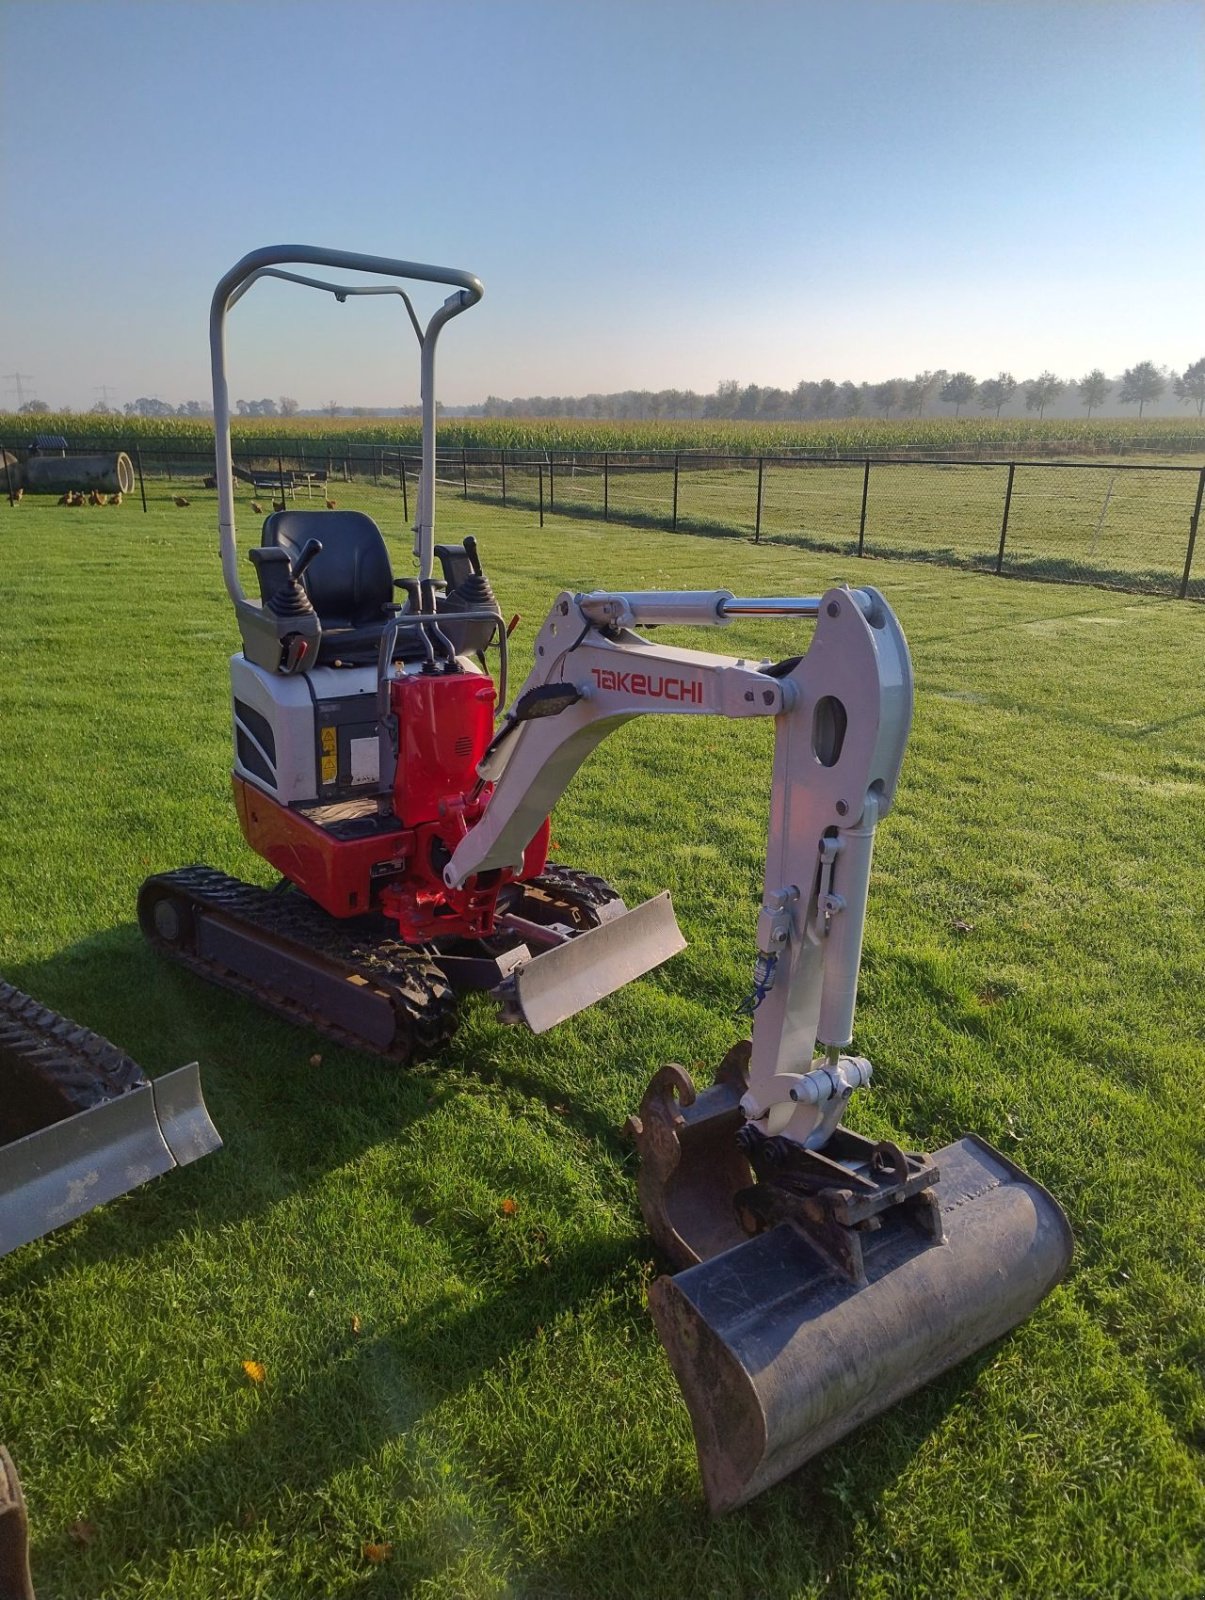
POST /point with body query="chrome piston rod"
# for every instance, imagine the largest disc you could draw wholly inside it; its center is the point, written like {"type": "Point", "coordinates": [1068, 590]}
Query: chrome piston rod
{"type": "Point", "coordinates": [701, 607]}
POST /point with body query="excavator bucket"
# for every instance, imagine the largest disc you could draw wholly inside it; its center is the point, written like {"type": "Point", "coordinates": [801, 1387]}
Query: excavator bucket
{"type": "Point", "coordinates": [785, 1341]}
{"type": "Point", "coordinates": [80, 1123]}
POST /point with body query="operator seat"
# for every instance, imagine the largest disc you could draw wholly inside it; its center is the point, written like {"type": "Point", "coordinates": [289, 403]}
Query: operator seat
{"type": "Point", "coordinates": [350, 583]}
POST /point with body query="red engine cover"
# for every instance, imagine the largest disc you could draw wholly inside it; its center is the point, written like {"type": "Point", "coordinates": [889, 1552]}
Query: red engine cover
{"type": "Point", "coordinates": [444, 725]}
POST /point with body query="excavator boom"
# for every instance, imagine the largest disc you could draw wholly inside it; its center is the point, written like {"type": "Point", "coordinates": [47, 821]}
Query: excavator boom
{"type": "Point", "coordinates": [823, 1275]}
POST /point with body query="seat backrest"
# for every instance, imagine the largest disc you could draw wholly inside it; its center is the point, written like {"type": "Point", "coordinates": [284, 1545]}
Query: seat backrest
{"type": "Point", "coordinates": [351, 581]}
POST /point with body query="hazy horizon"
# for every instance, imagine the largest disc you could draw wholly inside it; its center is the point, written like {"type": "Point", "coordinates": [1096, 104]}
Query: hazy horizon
{"type": "Point", "coordinates": [1066, 405]}
{"type": "Point", "coordinates": [655, 195]}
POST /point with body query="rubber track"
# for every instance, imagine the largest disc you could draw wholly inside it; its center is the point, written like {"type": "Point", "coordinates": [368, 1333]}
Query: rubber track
{"type": "Point", "coordinates": [423, 1002]}
{"type": "Point", "coordinates": [422, 999]}
{"type": "Point", "coordinates": [83, 1068]}
{"type": "Point", "coordinates": [579, 890]}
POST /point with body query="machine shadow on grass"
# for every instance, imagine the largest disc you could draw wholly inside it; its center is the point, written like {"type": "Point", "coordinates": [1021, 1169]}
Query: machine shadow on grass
{"type": "Point", "coordinates": [258, 1475]}
{"type": "Point", "coordinates": [833, 1496]}
{"type": "Point", "coordinates": [287, 1139]}
{"type": "Point", "coordinates": [290, 1105]}
{"type": "Point", "coordinates": [285, 1122]}
{"type": "Point", "coordinates": [232, 1482]}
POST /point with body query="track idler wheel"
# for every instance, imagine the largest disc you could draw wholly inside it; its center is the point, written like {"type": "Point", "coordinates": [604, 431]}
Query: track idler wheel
{"type": "Point", "coordinates": [166, 918]}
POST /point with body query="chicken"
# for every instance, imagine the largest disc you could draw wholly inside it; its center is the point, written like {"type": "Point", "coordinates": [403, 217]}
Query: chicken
{"type": "Point", "coordinates": [278, 505]}
{"type": "Point", "coordinates": [65, 499]}
{"type": "Point", "coordinates": [180, 500]}
{"type": "Point", "coordinates": [97, 499]}
{"type": "Point", "coordinates": [18, 496]}
{"type": "Point", "coordinates": [257, 508]}
{"type": "Point", "coordinates": [115, 499]}
{"type": "Point", "coordinates": [331, 504]}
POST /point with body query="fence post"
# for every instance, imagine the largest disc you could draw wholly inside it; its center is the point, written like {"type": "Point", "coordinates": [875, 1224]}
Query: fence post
{"type": "Point", "coordinates": [761, 474]}
{"type": "Point", "coordinates": [862, 519]}
{"type": "Point", "coordinates": [675, 521]}
{"type": "Point", "coordinates": [405, 496]}
{"type": "Point", "coordinates": [540, 466]}
{"type": "Point", "coordinates": [141, 479]}
{"type": "Point", "coordinates": [551, 481]}
{"type": "Point", "coordinates": [376, 467]}
{"type": "Point", "coordinates": [503, 474]}
{"type": "Point", "coordinates": [606, 486]}
{"type": "Point", "coordinates": [1192, 536]}
{"type": "Point", "coordinates": [464, 472]}
{"type": "Point", "coordinates": [8, 482]}
{"type": "Point", "coordinates": [280, 473]}
{"type": "Point", "coordinates": [1008, 500]}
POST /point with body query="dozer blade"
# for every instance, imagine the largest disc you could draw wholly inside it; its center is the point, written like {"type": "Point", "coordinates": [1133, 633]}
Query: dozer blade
{"type": "Point", "coordinates": [565, 980]}
{"type": "Point", "coordinates": [779, 1354]}
{"type": "Point", "coordinates": [59, 1172]}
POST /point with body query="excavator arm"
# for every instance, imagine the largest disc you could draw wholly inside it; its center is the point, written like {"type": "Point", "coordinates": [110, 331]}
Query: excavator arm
{"type": "Point", "coordinates": [841, 713]}
{"type": "Point", "coordinates": [821, 1274]}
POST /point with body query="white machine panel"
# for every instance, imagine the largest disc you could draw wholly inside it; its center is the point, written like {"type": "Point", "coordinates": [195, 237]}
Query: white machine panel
{"type": "Point", "coordinates": [274, 725]}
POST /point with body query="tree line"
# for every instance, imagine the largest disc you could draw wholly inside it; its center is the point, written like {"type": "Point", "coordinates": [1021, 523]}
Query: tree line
{"type": "Point", "coordinates": [828, 400]}
{"type": "Point", "coordinates": [822, 400]}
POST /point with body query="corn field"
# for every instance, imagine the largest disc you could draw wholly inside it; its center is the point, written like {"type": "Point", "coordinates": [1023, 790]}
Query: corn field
{"type": "Point", "coordinates": [855, 437]}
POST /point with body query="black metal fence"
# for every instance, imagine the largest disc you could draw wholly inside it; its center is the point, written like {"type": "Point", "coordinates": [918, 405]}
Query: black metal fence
{"type": "Point", "coordinates": [1124, 525]}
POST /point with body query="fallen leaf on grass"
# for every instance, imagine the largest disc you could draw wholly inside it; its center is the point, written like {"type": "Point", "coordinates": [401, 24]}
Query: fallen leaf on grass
{"type": "Point", "coordinates": [255, 1370]}
{"type": "Point", "coordinates": [508, 1208]}
{"type": "Point", "coordinates": [315, 1060]}
{"type": "Point", "coordinates": [355, 1323]}
{"type": "Point", "coordinates": [82, 1532]}
{"type": "Point", "coordinates": [376, 1553]}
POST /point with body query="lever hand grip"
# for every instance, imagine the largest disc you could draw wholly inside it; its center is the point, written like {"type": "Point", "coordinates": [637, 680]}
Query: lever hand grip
{"type": "Point", "coordinates": [311, 548]}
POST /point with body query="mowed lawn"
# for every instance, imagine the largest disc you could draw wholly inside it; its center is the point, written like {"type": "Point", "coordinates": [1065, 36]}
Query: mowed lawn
{"type": "Point", "coordinates": [1118, 524]}
{"type": "Point", "coordinates": [443, 1270]}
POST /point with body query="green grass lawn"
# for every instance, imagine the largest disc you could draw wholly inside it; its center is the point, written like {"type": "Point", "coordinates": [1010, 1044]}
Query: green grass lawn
{"type": "Point", "coordinates": [1087, 522]}
{"type": "Point", "coordinates": [476, 1384]}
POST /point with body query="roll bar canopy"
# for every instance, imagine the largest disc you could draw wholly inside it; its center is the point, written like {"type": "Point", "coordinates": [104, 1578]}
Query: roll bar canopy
{"type": "Point", "coordinates": [267, 263]}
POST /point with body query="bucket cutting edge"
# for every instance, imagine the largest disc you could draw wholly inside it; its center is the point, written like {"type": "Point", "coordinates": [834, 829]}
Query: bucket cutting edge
{"type": "Point", "coordinates": [778, 1355]}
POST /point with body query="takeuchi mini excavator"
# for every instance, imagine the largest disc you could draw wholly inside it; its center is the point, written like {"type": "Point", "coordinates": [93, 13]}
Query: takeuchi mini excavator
{"type": "Point", "coordinates": [820, 1275]}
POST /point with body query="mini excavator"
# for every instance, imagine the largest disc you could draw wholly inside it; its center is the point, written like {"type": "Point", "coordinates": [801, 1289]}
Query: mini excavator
{"type": "Point", "coordinates": [820, 1275]}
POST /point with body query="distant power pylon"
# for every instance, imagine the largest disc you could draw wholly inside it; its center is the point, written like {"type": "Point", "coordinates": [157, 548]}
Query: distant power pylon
{"type": "Point", "coordinates": [102, 389]}
{"type": "Point", "coordinates": [17, 378]}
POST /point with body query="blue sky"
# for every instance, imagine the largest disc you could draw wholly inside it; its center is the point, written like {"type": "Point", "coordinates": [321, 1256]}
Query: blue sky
{"type": "Point", "coordinates": [658, 194]}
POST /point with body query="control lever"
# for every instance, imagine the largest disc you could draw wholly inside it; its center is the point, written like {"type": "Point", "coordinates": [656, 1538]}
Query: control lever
{"type": "Point", "coordinates": [429, 606]}
{"type": "Point", "coordinates": [310, 549]}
